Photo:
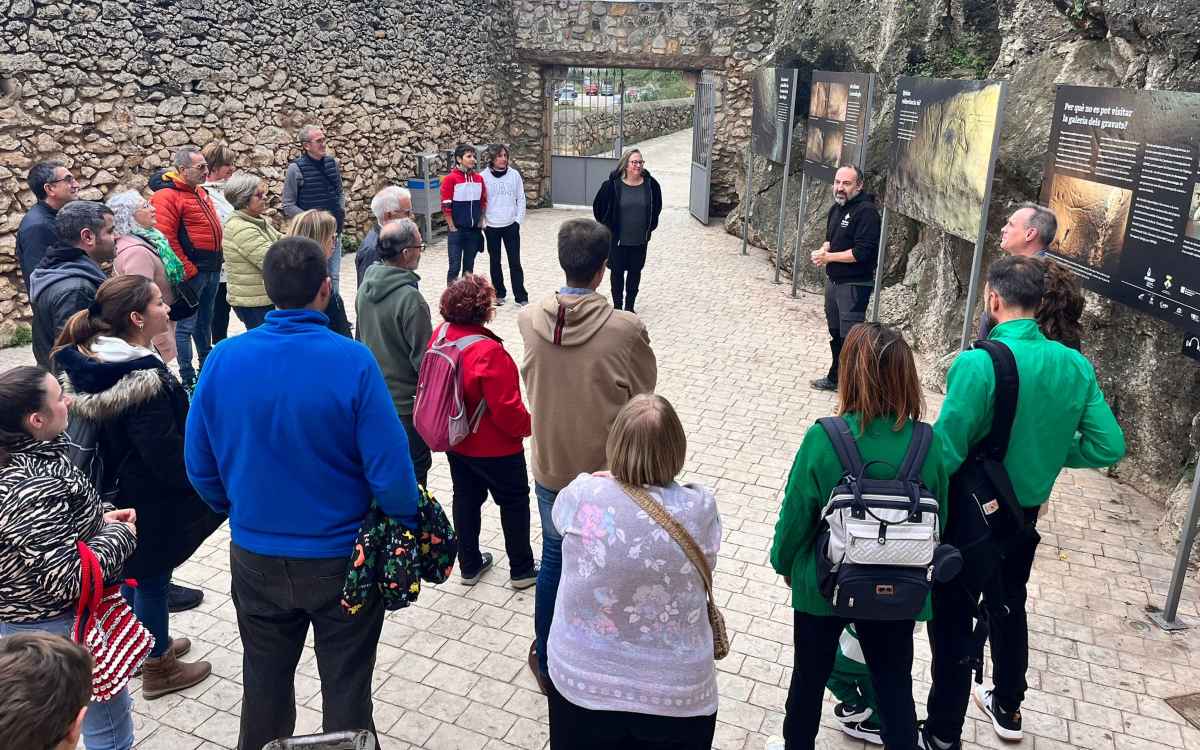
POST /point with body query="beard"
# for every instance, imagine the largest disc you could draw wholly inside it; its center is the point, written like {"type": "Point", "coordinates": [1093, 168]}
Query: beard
{"type": "Point", "coordinates": [839, 198]}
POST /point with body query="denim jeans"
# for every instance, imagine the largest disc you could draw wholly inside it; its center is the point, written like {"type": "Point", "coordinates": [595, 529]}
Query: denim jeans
{"type": "Point", "coordinates": [197, 327]}
{"type": "Point", "coordinates": [335, 262]}
{"type": "Point", "coordinates": [462, 246]}
{"type": "Point", "coordinates": [107, 725]}
{"type": "Point", "coordinates": [252, 317]}
{"type": "Point", "coordinates": [149, 602]}
{"type": "Point", "coordinates": [548, 575]}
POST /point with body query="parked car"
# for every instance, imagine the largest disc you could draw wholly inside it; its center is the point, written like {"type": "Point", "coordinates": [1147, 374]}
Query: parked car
{"type": "Point", "coordinates": [591, 89]}
{"type": "Point", "coordinates": [606, 89]}
{"type": "Point", "coordinates": [631, 93]}
{"type": "Point", "coordinates": [566, 97]}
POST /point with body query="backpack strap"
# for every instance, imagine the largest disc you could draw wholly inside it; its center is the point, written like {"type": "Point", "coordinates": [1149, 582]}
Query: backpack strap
{"type": "Point", "coordinates": [1008, 387]}
{"type": "Point", "coordinates": [842, 438]}
{"type": "Point", "coordinates": [918, 448]}
{"type": "Point", "coordinates": [466, 341]}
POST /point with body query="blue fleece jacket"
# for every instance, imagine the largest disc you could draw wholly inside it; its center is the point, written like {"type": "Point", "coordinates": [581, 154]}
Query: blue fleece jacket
{"type": "Point", "coordinates": [292, 432]}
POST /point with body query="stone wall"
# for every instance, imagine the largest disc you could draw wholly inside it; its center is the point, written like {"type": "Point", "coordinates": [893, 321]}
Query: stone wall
{"type": "Point", "coordinates": [578, 132]}
{"type": "Point", "coordinates": [723, 37]}
{"type": "Point", "coordinates": [111, 90]}
{"type": "Point", "coordinates": [1035, 44]}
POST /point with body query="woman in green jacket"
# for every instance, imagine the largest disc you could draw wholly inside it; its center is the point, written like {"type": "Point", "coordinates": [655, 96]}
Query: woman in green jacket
{"type": "Point", "coordinates": [880, 397]}
{"type": "Point", "coordinates": [248, 236]}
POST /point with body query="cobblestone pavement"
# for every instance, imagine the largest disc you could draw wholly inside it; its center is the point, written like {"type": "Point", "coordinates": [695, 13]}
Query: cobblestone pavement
{"type": "Point", "coordinates": [735, 356]}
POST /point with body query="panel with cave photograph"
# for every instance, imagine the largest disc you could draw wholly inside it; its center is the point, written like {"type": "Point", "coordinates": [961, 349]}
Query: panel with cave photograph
{"type": "Point", "coordinates": [1091, 220]}
{"type": "Point", "coordinates": [839, 111]}
{"type": "Point", "coordinates": [770, 126]}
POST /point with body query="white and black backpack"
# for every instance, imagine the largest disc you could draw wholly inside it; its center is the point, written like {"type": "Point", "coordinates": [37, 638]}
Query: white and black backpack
{"type": "Point", "coordinates": [876, 549]}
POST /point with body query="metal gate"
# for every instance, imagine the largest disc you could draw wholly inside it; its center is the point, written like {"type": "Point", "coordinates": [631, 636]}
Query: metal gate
{"type": "Point", "coordinates": [700, 185]}
{"type": "Point", "coordinates": [587, 120]}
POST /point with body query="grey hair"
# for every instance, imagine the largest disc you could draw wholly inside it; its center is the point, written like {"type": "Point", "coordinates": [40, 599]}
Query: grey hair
{"type": "Point", "coordinates": [240, 188]}
{"type": "Point", "coordinates": [396, 236]}
{"type": "Point", "coordinates": [388, 200]}
{"type": "Point", "coordinates": [1044, 221]}
{"type": "Point", "coordinates": [124, 205]}
{"type": "Point", "coordinates": [77, 216]}
{"type": "Point", "coordinates": [306, 132]}
{"type": "Point", "coordinates": [183, 157]}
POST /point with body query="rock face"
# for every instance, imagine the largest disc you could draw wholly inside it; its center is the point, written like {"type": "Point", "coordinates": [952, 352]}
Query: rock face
{"type": "Point", "coordinates": [584, 133]}
{"type": "Point", "coordinates": [1034, 44]}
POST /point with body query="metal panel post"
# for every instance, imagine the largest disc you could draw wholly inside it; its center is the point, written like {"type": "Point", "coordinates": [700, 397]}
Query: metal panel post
{"type": "Point", "coordinates": [787, 169]}
{"type": "Point", "coordinates": [799, 234]}
{"type": "Point", "coordinates": [746, 210]}
{"type": "Point", "coordinates": [621, 118]}
{"type": "Point", "coordinates": [880, 259]}
{"type": "Point", "coordinates": [1167, 619]}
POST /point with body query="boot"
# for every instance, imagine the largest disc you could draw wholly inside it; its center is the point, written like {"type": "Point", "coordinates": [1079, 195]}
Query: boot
{"type": "Point", "coordinates": [167, 674]}
{"type": "Point", "coordinates": [179, 647]}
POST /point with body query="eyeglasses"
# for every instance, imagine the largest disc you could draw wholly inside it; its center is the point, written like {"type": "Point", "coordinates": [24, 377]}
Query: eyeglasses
{"type": "Point", "coordinates": [420, 247]}
{"type": "Point", "coordinates": [69, 178]}
{"type": "Point", "coordinates": [261, 196]}
{"type": "Point", "coordinates": [635, 162]}
{"type": "Point", "coordinates": [199, 167]}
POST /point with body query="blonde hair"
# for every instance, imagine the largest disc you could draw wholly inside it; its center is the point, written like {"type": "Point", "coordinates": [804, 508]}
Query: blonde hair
{"type": "Point", "coordinates": [646, 445]}
{"type": "Point", "coordinates": [316, 225]}
{"type": "Point", "coordinates": [624, 163]}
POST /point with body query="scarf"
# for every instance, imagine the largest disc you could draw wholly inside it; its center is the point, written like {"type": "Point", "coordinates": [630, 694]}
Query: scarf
{"type": "Point", "coordinates": [498, 173]}
{"type": "Point", "coordinates": [171, 263]}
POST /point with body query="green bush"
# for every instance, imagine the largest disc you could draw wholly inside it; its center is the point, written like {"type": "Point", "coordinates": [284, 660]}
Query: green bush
{"type": "Point", "coordinates": [350, 244]}
{"type": "Point", "coordinates": [22, 336]}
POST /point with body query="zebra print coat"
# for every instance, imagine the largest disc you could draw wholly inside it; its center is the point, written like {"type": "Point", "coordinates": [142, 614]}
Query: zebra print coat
{"type": "Point", "coordinates": [46, 505]}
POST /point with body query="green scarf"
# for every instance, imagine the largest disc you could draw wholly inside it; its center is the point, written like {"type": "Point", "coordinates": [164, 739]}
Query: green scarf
{"type": "Point", "coordinates": [171, 263]}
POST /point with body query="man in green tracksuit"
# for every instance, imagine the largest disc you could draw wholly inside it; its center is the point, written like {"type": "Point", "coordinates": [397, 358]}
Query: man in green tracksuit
{"type": "Point", "coordinates": [1061, 421]}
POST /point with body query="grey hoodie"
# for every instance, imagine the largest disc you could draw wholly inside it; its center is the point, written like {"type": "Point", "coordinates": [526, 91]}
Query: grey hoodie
{"type": "Point", "coordinates": [394, 323]}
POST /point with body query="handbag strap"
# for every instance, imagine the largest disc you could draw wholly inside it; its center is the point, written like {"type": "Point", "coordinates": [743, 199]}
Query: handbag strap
{"type": "Point", "coordinates": [675, 529]}
{"type": "Point", "coordinates": [91, 588]}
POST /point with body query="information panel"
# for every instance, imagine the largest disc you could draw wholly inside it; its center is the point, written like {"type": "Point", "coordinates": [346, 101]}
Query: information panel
{"type": "Point", "coordinates": [945, 138]}
{"type": "Point", "coordinates": [1121, 178]}
{"type": "Point", "coordinates": [771, 125]}
{"type": "Point", "coordinates": [839, 115]}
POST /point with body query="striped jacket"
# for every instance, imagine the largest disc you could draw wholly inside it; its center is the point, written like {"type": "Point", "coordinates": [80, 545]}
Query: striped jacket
{"type": "Point", "coordinates": [46, 505]}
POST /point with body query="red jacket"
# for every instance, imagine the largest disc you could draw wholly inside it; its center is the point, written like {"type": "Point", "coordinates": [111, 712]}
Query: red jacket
{"type": "Point", "coordinates": [188, 219]}
{"type": "Point", "coordinates": [489, 373]}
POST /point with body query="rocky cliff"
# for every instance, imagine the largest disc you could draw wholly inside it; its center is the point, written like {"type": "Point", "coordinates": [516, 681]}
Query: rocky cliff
{"type": "Point", "coordinates": [1034, 44]}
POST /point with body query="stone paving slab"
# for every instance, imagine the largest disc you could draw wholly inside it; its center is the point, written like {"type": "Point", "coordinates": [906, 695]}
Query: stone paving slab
{"type": "Point", "coordinates": [735, 356]}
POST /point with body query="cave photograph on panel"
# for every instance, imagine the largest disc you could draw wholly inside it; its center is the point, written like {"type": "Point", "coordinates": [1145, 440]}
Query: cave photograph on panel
{"type": "Point", "coordinates": [1121, 179]}
{"type": "Point", "coordinates": [769, 126]}
{"type": "Point", "coordinates": [944, 138]}
{"type": "Point", "coordinates": [839, 109]}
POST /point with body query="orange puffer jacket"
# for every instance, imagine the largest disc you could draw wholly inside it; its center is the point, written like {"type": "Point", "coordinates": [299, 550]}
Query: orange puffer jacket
{"type": "Point", "coordinates": [188, 219]}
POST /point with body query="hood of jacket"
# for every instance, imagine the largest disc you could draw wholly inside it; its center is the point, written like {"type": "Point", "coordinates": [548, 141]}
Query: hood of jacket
{"type": "Point", "coordinates": [382, 280]}
{"type": "Point", "coordinates": [63, 261]}
{"type": "Point", "coordinates": [173, 179]}
{"type": "Point", "coordinates": [571, 320]}
{"type": "Point", "coordinates": [105, 390]}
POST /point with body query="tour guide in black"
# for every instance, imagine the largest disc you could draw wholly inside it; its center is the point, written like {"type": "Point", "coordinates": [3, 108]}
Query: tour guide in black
{"type": "Point", "coordinates": [848, 255]}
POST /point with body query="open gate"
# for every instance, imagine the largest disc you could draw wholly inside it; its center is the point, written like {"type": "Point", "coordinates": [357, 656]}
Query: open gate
{"type": "Point", "coordinates": [700, 184]}
{"type": "Point", "coordinates": [587, 109]}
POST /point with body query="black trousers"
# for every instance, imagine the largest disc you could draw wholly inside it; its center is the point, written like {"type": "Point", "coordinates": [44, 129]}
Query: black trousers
{"type": "Point", "coordinates": [506, 478]}
{"type": "Point", "coordinates": [845, 307]}
{"type": "Point", "coordinates": [950, 640]}
{"type": "Point", "coordinates": [421, 457]}
{"type": "Point", "coordinates": [575, 728]}
{"type": "Point", "coordinates": [252, 317]}
{"type": "Point", "coordinates": [626, 262]}
{"type": "Point", "coordinates": [276, 599]}
{"type": "Point", "coordinates": [888, 648]}
{"type": "Point", "coordinates": [511, 237]}
{"type": "Point", "coordinates": [220, 319]}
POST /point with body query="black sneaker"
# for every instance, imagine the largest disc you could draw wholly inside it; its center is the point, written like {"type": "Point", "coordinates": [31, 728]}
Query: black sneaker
{"type": "Point", "coordinates": [860, 731]}
{"type": "Point", "coordinates": [824, 384]}
{"type": "Point", "coordinates": [524, 581]}
{"type": "Point", "coordinates": [487, 565]}
{"type": "Point", "coordinates": [500, 301]}
{"type": "Point", "coordinates": [1006, 723]}
{"type": "Point", "coordinates": [849, 713]}
{"type": "Point", "coordinates": [180, 599]}
{"type": "Point", "coordinates": [926, 740]}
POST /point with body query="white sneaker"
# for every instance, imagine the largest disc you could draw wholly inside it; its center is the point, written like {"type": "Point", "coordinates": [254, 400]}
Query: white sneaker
{"type": "Point", "coordinates": [774, 742]}
{"type": "Point", "coordinates": [1006, 723]}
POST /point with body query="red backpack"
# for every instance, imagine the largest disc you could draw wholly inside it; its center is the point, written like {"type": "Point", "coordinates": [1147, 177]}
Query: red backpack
{"type": "Point", "coordinates": [440, 413]}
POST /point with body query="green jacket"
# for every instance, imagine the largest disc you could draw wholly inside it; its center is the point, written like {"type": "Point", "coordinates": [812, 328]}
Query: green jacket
{"type": "Point", "coordinates": [815, 472]}
{"type": "Point", "coordinates": [394, 323]}
{"type": "Point", "coordinates": [245, 242]}
{"type": "Point", "coordinates": [1062, 419]}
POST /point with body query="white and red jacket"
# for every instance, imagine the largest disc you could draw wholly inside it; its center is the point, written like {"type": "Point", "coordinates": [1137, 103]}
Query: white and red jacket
{"type": "Point", "coordinates": [464, 199]}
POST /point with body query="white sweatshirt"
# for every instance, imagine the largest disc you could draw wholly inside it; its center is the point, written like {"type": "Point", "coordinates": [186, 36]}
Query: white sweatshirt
{"type": "Point", "coordinates": [505, 198]}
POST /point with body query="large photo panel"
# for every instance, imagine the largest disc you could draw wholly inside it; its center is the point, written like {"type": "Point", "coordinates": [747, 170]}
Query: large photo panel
{"type": "Point", "coordinates": [1121, 178]}
{"type": "Point", "coordinates": [839, 115]}
{"type": "Point", "coordinates": [945, 136]}
{"type": "Point", "coordinates": [771, 125]}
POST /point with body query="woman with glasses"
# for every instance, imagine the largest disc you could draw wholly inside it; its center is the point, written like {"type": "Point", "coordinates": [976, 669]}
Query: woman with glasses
{"type": "Point", "coordinates": [394, 322]}
{"type": "Point", "coordinates": [248, 236]}
{"type": "Point", "coordinates": [629, 204]}
{"type": "Point", "coordinates": [142, 250]}
{"type": "Point", "coordinates": [880, 398]}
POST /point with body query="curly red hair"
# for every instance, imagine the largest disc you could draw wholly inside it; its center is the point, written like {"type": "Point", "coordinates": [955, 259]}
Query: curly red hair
{"type": "Point", "coordinates": [468, 301]}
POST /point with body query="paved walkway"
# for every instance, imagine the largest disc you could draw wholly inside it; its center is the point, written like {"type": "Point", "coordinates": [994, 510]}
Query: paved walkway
{"type": "Point", "coordinates": [735, 357]}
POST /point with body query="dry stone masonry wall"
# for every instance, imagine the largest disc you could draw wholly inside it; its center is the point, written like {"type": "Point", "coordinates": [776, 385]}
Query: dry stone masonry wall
{"type": "Point", "coordinates": [590, 134]}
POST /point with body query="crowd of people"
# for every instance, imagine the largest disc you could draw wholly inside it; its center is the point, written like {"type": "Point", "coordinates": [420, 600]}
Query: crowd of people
{"type": "Point", "coordinates": [295, 431]}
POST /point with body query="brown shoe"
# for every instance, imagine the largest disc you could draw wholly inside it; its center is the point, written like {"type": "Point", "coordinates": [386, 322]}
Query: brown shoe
{"type": "Point", "coordinates": [543, 680]}
{"type": "Point", "coordinates": [179, 647]}
{"type": "Point", "coordinates": [167, 674]}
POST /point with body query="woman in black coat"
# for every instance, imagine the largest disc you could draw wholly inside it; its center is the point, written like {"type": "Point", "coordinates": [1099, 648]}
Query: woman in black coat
{"type": "Point", "coordinates": [629, 204]}
{"type": "Point", "coordinates": [140, 408]}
